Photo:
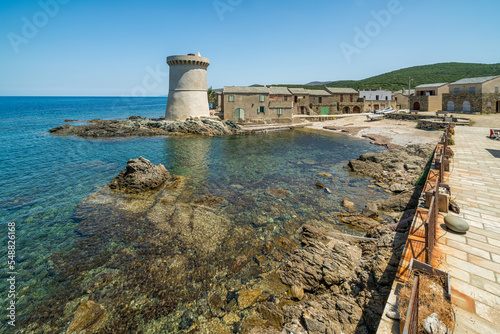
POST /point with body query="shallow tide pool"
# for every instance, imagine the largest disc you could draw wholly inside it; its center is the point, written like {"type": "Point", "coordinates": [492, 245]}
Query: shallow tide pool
{"type": "Point", "coordinates": [267, 182]}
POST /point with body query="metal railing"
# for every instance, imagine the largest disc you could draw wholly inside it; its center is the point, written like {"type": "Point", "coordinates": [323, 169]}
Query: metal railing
{"type": "Point", "coordinates": [411, 324]}
{"type": "Point", "coordinates": [432, 216]}
{"type": "Point", "coordinates": [430, 224]}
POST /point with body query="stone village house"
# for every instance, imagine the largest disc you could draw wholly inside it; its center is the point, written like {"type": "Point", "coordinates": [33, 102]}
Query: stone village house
{"type": "Point", "coordinates": [377, 99]}
{"type": "Point", "coordinates": [402, 98]}
{"type": "Point", "coordinates": [429, 97]}
{"type": "Point", "coordinates": [473, 95]}
{"type": "Point", "coordinates": [282, 104]}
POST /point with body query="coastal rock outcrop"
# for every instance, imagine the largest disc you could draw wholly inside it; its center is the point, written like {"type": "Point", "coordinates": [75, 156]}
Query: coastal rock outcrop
{"type": "Point", "coordinates": [346, 279]}
{"type": "Point", "coordinates": [146, 127]}
{"type": "Point", "coordinates": [180, 260]}
{"type": "Point", "coordinates": [140, 175]}
{"type": "Point", "coordinates": [396, 166]}
{"type": "Point", "coordinates": [396, 171]}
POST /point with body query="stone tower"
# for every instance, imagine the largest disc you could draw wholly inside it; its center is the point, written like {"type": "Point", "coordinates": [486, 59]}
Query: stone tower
{"type": "Point", "coordinates": [187, 94]}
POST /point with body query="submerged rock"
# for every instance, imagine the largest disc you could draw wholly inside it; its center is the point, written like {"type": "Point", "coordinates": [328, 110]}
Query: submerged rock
{"type": "Point", "coordinates": [140, 175]}
{"type": "Point", "coordinates": [87, 319]}
{"type": "Point", "coordinates": [348, 205]}
{"type": "Point", "coordinates": [320, 185]}
{"type": "Point", "coordinates": [248, 297]}
{"type": "Point", "coordinates": [280, 193]}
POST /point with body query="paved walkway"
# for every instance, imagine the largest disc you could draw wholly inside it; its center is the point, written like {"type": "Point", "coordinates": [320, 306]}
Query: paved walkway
{"type": "Point", "coordinates": [473, 259]}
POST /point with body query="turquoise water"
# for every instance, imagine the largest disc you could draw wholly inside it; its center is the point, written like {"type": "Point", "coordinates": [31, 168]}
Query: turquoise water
{"type": "Point", "coordinates": [45, 177]}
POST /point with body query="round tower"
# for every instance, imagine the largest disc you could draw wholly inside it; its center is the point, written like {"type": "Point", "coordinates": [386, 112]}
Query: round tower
{"type": "Point", "coordinates": [187, 96]}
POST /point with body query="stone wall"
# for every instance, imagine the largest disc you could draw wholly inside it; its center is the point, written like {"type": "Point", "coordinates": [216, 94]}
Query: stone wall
{"type": "Point", "coordinates": [479, 102]}
{"type": "Point", "coordinates": [337, 107]}
{"type": "Point", "coordinates": [427, 103]}
{"type": "Point", "coordinates": [494, 100]}
{"type": "Point", "coordinates": [402, 101]}
{"type": "Point", "coordinates": [370, 105]}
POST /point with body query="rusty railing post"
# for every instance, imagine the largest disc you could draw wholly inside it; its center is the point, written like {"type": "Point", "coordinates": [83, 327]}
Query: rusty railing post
{"type": "Point", "coordinates": [411, 324]}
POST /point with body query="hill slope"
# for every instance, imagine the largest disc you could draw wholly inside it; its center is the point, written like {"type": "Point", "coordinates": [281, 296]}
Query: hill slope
{"type": "Point", "coordinates": [396, 80]}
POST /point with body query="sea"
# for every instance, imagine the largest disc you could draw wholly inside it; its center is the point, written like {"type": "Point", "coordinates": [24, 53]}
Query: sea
{"type": "Point", "coordinates": [45, 177]}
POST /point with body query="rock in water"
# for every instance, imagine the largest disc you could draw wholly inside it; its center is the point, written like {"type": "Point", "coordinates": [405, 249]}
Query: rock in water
{"type": "Point", "coordinates": [143, 126]}
{"type": "Point", "coordinates": [247, 297]}
{"type": "Point", "coordinates": [348, 205]}
{"type": "Point", "coordinates": [456, 224]}
{"type": "Point", "coordinates": [278, 192]}
{"type": "Point", "coordinates": [140, 175]}
{"type": "Point", "coordinates": [87, 318]}
{"type": "Point", "coordinates": [320, 185]}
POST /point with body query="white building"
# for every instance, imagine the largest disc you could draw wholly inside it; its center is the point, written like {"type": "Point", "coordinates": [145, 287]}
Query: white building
{"type": "Point", "coordinates": [376, 95]}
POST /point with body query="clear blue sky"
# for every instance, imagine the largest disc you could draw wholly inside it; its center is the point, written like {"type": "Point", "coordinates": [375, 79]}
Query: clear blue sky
{"type": "Point", "coordinates": [110, 48]}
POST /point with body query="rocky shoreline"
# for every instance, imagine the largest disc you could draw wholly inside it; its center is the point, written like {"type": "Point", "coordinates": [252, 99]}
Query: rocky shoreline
{"type": "Point", "coordinates": [231, 278]}
{"type": "Point", "coordinates": [147, 127]}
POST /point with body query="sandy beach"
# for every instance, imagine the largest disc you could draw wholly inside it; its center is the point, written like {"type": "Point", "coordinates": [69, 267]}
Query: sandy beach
{"type": "Point", "coordinates": [385, 132]}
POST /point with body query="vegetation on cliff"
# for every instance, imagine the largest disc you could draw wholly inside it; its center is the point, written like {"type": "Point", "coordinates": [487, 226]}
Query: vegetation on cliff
{"type": "Point", "coordinates": [435, 73]}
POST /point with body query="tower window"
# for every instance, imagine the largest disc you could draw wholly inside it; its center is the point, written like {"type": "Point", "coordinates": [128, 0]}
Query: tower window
{"type": "Point", "coordinates": [231, 98]}
{"type": "Point", "coordinates": [279, 112]}
{"type": "Point", "coordinates": [262, 98]}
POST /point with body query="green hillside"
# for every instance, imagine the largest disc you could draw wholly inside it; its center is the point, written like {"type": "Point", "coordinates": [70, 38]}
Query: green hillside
{"type": "Point", "coordinates": [396, 80]}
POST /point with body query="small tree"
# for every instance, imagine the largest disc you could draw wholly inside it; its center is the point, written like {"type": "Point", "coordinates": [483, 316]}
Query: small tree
{"type": "Point", "coordinates": [212, 96]}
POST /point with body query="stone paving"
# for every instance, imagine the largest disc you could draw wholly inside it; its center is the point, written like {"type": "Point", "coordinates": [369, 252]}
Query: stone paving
{"type": "Point", "coordinates": [473, 259]}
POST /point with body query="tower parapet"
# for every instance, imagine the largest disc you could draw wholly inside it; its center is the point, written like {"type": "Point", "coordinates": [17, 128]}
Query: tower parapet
{"type": "Point", "coordinates": [187, 96]}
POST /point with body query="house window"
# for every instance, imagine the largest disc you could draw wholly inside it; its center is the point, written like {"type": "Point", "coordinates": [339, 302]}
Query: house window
{"type": "Point", "coordinates": [262, 109]}
{"type": "Point", "coordinates": [489, 104]}
{"type": "Point", "coordinates": [472, 90]}
{"type": "Point", "coordinates": [320, 99]}
{"type": "Point", "coordinates": [279, 112]}
{"type": "Point", "coordinates": [262, 98]}
{"type": "Point", "coordinates": [456, 90]}
{"type": "Point", "coordinates": [496, 90]}
{"type": "Point", "coordinates": [387, 98]}
{"type": "Point", "coordinates": [231, 98]}
{"type": "Point", "coordinates": [352, 97]}
{"type": "Point", "coordinates": [341, 97]}
{"type": "Point", "coordinates": [377, 97]}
